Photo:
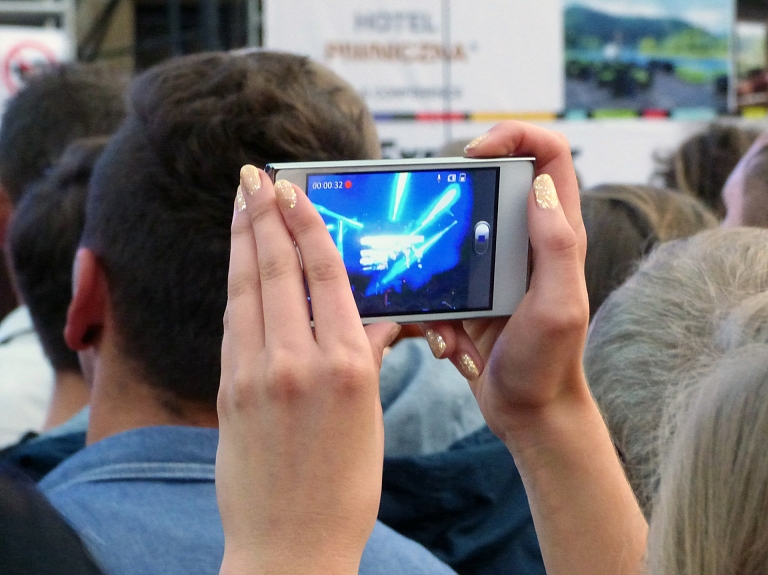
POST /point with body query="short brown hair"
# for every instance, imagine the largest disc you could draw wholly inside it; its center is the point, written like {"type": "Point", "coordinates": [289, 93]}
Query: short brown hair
{"type": "Point", "coordinates": [162, 193]}
{"type": "Point", "coordinates": [56, 107]}
{"type": "Point", "coordinates": [703, 162]}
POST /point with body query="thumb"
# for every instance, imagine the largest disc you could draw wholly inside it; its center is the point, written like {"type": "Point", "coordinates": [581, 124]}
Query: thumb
{"type": "Point", "coordinates": [380, 335]}
{"type": "Point", "coordinates": [557, 255]}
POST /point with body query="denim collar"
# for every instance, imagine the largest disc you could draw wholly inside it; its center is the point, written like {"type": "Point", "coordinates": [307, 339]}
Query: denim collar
{"type": "Point", "coordinates": [166, 453]}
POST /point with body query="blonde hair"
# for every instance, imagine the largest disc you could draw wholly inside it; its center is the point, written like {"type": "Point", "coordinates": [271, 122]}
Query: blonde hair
{"type": "Point", "coordinates": [672, 215]}
{"type": "Point", "coordinates": [659, 335]}
{"type": "Point", "coordinates": [624, 222]}
{"type": "Point", "coordinates": [711, 517]}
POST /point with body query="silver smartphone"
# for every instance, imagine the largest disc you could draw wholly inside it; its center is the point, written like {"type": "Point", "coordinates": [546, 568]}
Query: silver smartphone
{"type": "Point", "coordinates": [428, 239]}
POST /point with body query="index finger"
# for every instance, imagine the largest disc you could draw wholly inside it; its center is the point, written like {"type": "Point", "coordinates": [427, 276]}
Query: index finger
{"type": "Point", "coordinates": [333, 307]}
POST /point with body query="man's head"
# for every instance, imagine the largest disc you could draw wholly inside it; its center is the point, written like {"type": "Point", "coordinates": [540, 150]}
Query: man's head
{"type": "Point", "coordinates": [745, 194]}
{"type": "Point", "coordinates": [162, 196]}
{"type": "Point", "coordinates": [56, 107]}
{"type": "Point", "coordinates": [625, 222]}
{"type": "Point", "coordinates": [42, 241]}
{"type": "Point", "coordinates": [702, 163]}
{"type": "Point", "coordinates": [660, 333]}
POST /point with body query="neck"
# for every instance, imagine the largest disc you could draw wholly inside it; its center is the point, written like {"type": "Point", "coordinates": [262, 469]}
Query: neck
{"type": "Point", "coordinates": [120, 401]}
{"type": "Point", "coordinates": [70, 395]}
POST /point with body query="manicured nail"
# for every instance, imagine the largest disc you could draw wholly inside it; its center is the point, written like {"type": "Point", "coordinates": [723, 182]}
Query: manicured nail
{"type": "Point", "coordinates": [475, 142]}
{"type": "Point", "coordinates": [467, 367]}
{"type": "Point", "coordinates": [239, 200]}
{"type": "Point", "coordinates": [544, 190]}
{"type": "Point", "coordinates": [285, 194]}
{"type": "Point", "coordinates": [250, 179]}
{"type": "Point", "coordinates": [436, 343]}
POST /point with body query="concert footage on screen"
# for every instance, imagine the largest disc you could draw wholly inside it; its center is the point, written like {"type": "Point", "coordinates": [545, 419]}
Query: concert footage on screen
{"type": "Point", "coordinates": [409, 239]}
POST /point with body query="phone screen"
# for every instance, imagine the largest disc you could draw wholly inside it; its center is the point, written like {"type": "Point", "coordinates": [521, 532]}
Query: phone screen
{"type": "Point", "coordinates": [413, 242]}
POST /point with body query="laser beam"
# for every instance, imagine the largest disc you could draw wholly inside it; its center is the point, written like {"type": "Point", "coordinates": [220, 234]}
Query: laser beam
{"type": "Point", "coordinates": [401, 181]}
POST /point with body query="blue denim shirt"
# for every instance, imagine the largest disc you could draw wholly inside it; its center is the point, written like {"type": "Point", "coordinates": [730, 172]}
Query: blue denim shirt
{"type": "Point", "coordinates": [144, 503]}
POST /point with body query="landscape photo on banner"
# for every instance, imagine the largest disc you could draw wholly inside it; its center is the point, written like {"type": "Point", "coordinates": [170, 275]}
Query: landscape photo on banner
{"type": "Point", "coordinates": [648, 54]}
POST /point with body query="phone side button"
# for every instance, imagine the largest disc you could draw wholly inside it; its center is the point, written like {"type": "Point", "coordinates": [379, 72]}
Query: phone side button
{"type": "Point", "coordinates": [482, 237]}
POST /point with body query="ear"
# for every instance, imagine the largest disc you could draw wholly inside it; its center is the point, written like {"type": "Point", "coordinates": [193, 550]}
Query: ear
{"type": "Point", "coordinates": [90, 299]}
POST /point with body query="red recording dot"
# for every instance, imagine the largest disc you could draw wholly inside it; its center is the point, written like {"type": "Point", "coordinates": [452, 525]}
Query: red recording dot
{"type": "Point", "coordinates": [348, 184]}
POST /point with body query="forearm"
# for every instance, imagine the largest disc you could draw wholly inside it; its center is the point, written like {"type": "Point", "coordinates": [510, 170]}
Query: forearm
{"type": "Point", "coordinates": [586, 516]}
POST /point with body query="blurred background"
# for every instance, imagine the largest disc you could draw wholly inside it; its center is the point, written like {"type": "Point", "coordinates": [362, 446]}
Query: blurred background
{"type": "Point", "coordinates": [623, 79]}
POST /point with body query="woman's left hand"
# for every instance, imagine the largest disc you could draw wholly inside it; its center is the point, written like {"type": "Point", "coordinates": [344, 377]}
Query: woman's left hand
{"type": "Point", "coordinates": [299, 464]}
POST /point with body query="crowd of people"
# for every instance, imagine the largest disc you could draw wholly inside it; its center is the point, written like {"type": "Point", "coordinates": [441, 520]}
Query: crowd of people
{"type": "Point", "coordinates": [166, 405]}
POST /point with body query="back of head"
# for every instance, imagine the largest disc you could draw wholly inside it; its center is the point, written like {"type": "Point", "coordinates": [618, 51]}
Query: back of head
{"type": "Point", "coordinates": [56, 107]}
{"type": "Point", "coordinates": [702, 163]}
{"type": "Point", "coordinates": [659, 334]}
{"type": "Point", "coordinates": [624, 223]}
{"type": "Point", "coordinates": [43, 238]}
{"type": "Point", "coordinates": [162, 195]}
{"type": "Point", "coordinates": [710, 516]}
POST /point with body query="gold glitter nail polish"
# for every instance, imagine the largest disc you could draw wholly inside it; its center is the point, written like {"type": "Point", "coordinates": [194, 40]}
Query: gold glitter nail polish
{"type": "Point", "coordinates": [285, 194]}
{"type": "Point", "coordinates": [436, 343]}
{"type": "Point", "coordinates": [467, 367]}
{"type": "Point", "coordinates": [476, 141]}
{"type": "Point", "coordinates": [544, 190]}
{"type": "Point", "coordinates": [239, 200]}
{"type": "Point", "coordinates": [250, 179]}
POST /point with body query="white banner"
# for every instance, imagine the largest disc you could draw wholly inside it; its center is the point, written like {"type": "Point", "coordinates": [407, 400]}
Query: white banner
{"type": "Point", "coordinates": [23, 50]}
{"type": "Point", "coordinates": [432, 56]}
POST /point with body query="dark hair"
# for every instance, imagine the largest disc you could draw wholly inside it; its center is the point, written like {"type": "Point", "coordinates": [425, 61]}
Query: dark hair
{"type": "Point", "coordinates": [624, 223]}
{"type": "Point", "coordinates": [703, 162]}
{"type": "Point", "coordinates": [62, 104]}
{"type": "Point", "coordinates": [162, 194]}
{"type": "Point", "coordinates": [43, 238]}
{"type": "Point", "coordinates": [34, 537]}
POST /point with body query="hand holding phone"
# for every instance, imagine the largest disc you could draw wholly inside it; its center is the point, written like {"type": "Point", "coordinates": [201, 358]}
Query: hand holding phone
{"type": "Point", "coordinates": [425, 239]}
{"type": "Point", "coordinates": [528, 378]}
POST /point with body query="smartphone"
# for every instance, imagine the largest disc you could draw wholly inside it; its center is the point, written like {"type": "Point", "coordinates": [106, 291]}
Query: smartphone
{"type": "Point", "coordinates": [427, 239]}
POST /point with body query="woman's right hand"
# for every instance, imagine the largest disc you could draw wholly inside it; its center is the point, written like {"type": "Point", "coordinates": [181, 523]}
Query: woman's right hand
{"type": "Point", "coordinates": [522, 364]}
{"type": "Point", "coordinates": [526, 373]}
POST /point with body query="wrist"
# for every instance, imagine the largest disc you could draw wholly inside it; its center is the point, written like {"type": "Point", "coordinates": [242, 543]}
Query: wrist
{"type": "Point", "coordinates": [560, 436]}
{"type": "Point", "coordinates": [288, 562]}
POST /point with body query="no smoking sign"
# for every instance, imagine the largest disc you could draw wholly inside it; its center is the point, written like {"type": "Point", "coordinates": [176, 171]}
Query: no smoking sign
{"type": "Point", "coordinates": [23, 60]}
{"type": "Point", "coordinates": [24, 51]}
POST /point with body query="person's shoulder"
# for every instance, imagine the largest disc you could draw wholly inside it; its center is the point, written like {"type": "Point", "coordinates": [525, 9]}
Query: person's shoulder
{"type": "Point", "coordinates": [147, 454]}
{"type": "Point", "coordinates": [128, 496]}
{"type": "Point", "coordinates": [389, 553]}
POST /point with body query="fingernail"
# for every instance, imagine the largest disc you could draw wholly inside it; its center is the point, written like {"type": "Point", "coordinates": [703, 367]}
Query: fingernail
{"type": "Point", "coordinates": [239, 200]}
{"type": "Point", "coordinates": [436, 343]}
{"type": "Point", "coordinates": [544, 190]}
{"type": "Point", "coordinates": [475, 142]}
{"type": "Point", "coordinates": [285, 194]}
{"type": "Point", "coordinates": [468, 367]}
{"type": "Point", "coordinates": [250, 179]}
